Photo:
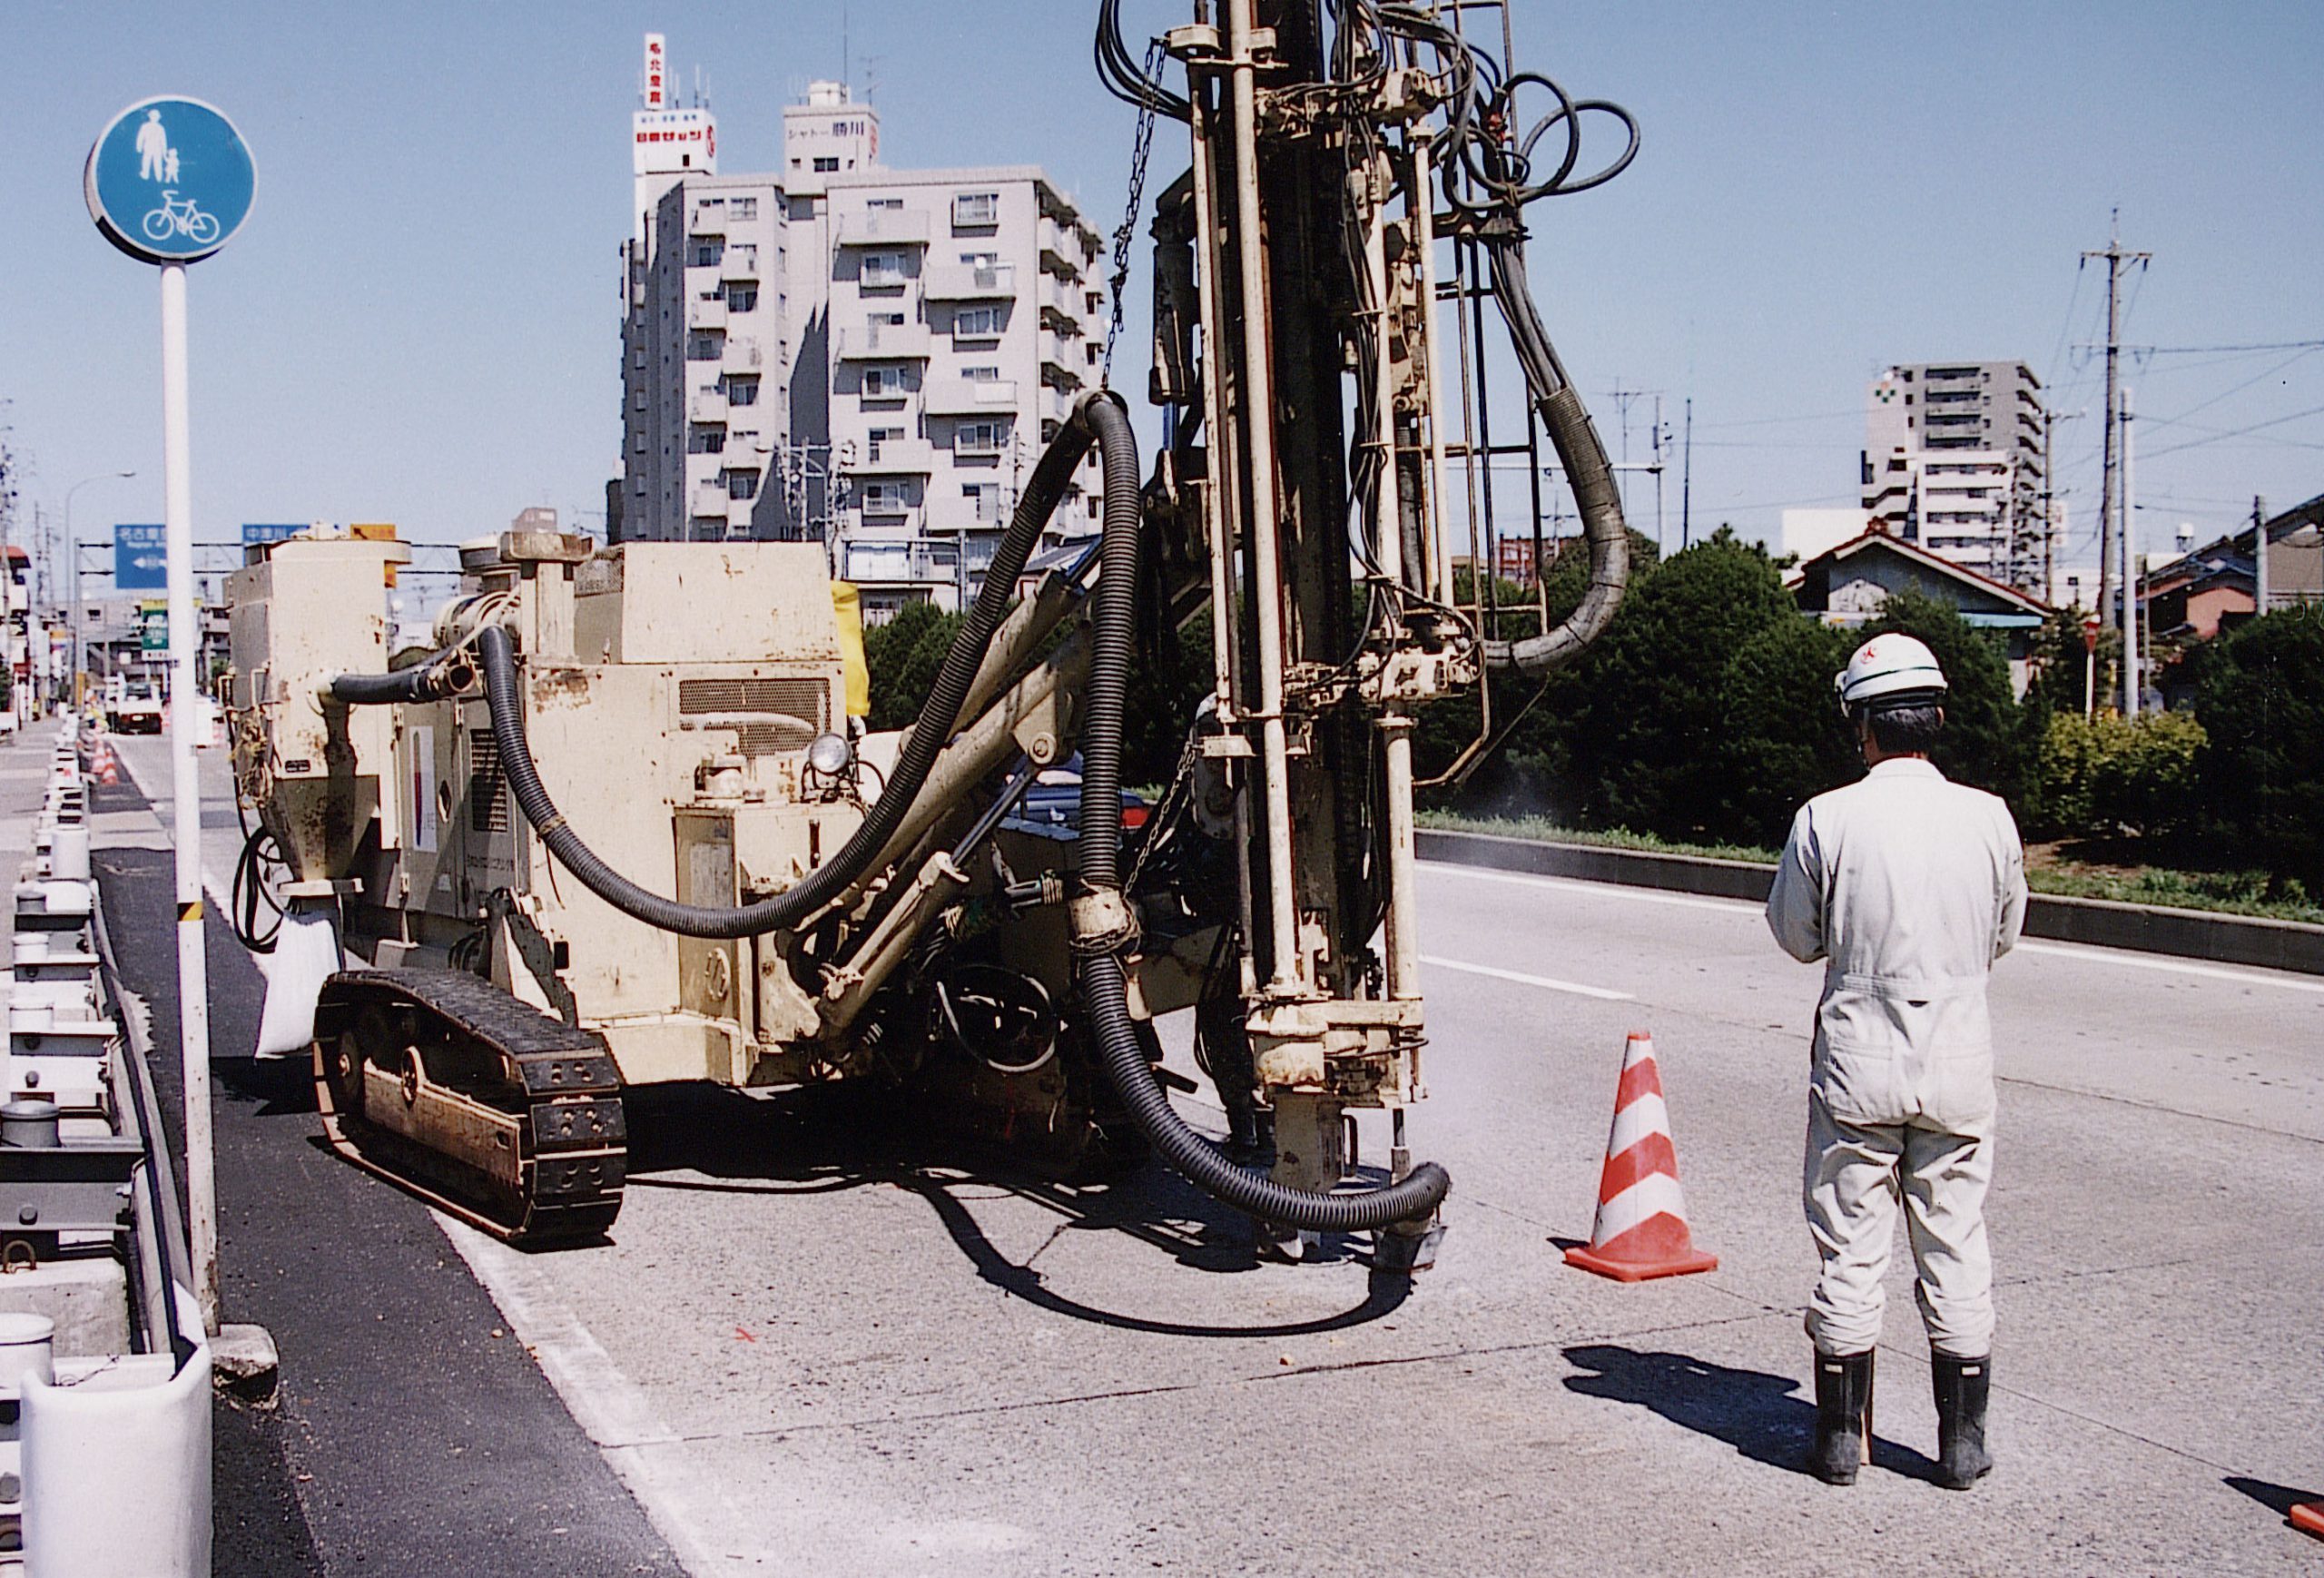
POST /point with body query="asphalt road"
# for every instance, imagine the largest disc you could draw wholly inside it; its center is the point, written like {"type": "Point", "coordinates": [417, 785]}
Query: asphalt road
{"type": "Point", "coordinates": [817, 1344]}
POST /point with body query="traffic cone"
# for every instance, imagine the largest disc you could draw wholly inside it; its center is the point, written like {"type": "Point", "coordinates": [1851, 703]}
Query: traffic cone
{"type": "Point", "coordinates": [106, 772]}
{"type": "Point", "coordinates": [2309, 1516]}
{"type": "Point", "coordinates": [1641, 1227]}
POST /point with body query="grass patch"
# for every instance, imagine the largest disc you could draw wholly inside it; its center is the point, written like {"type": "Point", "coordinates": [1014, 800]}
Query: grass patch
{"type": "Point", "coordinates": [1542, 829]}
{"type": "Point", "coordinates": [2243, 892]}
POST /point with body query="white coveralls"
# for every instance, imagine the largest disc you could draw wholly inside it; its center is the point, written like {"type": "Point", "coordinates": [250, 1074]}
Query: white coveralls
{"type": "Point", "coordinates": [1908, 886]}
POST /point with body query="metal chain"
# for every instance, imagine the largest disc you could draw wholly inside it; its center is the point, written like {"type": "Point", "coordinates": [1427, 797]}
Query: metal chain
{"type": "Point", "coordinates": [1158, 821]}
{"type": "Point", "coordinates": [1128, 231]}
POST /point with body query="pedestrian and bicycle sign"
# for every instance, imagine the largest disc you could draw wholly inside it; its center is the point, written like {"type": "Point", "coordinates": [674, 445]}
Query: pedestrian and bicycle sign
{"type": "Point", "coordinates": [140, 558]}
{"type": "Point", "coordinates": [169, 181]}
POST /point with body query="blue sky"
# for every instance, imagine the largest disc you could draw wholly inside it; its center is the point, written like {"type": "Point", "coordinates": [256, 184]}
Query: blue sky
{"type": "Point", "coordinates": [420, 321]}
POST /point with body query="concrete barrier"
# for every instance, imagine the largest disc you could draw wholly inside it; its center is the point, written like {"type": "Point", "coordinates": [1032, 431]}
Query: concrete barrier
{"type": "Point", "coordinates": [2268, 945]}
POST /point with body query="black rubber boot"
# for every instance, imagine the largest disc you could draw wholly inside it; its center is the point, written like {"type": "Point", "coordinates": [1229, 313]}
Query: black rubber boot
{"type": "Point", "coordinates": [1843, 1394]}
{"type": "Point", "coordinates": [1962, 1385]}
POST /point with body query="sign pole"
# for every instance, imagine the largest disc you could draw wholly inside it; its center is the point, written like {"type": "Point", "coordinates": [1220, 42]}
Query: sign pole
{"type": "Point", "coordinates": [185, 646]}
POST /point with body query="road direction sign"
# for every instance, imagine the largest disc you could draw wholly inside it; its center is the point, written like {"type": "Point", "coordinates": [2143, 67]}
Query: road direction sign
{"type": "Point", "coordinates": [140, 558]}
{"type": "Point", "coordinates": [257, 532]}
{"type": "Point", "coordinates": [154, 626]}
{"type": "Point", "coordinates": [169, 181]}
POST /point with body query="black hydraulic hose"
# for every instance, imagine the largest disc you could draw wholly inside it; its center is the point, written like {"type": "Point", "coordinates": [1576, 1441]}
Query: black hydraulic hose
{"type": "Point", "coordinates": [434, 677]}
{"type": "Point", "coordinates": [933, 730]}
{"type": "Point", "coordinates": [1588, 472]}
{"type": "Point", "coordinates": [1104, 988]}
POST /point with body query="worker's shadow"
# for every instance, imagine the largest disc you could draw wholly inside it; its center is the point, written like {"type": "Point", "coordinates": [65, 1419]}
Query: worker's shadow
{"type": "Point", "coordinates": [1765, 1418]}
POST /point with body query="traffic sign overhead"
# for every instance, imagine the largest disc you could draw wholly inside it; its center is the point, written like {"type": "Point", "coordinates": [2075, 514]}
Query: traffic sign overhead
{"type": "Point", "coordinates": [140, 558]}
{"type": "Point", "coordinates": [169, 181]}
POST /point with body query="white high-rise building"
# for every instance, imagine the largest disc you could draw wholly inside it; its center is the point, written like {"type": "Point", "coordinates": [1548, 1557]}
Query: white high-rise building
{"type": "Point", "coordinates": [1952, 461]}
{"type": "Point", "coordinates": [842, 351]}
{"type": "Point", "coordinates": [964, 315]}
{"type": "Point", "coordinates": [706, 367]}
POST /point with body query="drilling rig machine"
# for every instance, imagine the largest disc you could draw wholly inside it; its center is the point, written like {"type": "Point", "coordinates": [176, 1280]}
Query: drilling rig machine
{"type": "Point", "coordinates": [617, 826]}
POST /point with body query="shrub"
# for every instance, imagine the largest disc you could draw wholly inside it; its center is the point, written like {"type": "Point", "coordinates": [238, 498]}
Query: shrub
{"type": "Point", "coordinates": [2108, 774]}
{"type": "Point", "coordinates": [2261, 700]}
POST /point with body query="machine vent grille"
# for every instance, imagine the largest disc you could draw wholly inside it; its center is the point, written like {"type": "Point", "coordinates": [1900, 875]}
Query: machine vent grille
{"type": "Point", "coordinates": [805, 699]}
{"type": "Point", "coordinates": [772, 716]}
{"type": "Point", "coordinates": [488, 791]}
{"type": "Point", "coordinates": [775, 738]}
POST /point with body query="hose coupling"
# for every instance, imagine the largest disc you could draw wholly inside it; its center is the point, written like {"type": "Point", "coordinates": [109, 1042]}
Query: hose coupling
{"type": "Point", "coordinates": [1102, 921]}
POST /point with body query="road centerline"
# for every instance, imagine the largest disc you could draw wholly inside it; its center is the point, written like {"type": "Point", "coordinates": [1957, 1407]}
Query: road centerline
{"type": "Point", "coordinates": [1547, 983]}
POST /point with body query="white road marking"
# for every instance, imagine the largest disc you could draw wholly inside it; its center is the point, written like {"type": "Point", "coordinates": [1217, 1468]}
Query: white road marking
{"type": "Point", "coordinates": [2283, 980]}
{"type": "Point", "coordinates": [2089, 954]}
{"type": "Point", "coordinates": [1544, 981]}
{"type": "Point", "coordinates": [612, 1410]}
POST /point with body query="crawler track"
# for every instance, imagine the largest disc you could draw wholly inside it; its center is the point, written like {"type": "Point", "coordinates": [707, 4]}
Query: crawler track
{"type": "Point", "coordinates": [482, 1106]}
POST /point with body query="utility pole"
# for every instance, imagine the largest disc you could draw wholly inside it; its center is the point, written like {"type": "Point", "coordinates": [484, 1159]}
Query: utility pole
{"type": "Point", "coordinates": [2049, 510]}
{"type": "Point", "coordinates": [1686, 478]}
{"type": "Point", "coordinates": [2128, 536]}
{"type": "Point", "coordinates": [2108, 521]}
{"type": "Point", "coordinates": [2259, 556]}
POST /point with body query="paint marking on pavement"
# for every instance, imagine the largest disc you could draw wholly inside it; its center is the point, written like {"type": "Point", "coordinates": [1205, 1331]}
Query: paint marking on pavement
{"type": "Point", "coordinates": [2280, 979]}
{"type": "Point", "coordinates": [1596, 890]}
{"type": "Point", "coordinates": [612, 1411]}
{"type": "Point", "coordinates": [1544, 981]}
{"type": "Point", "coordinates": [2129, 959]}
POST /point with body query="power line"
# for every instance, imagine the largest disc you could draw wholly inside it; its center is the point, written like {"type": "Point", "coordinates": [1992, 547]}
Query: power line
{"type": "Point", "coordinates": [2210, 350]}
{"type": "Point", "coordinates": [2239, 432]}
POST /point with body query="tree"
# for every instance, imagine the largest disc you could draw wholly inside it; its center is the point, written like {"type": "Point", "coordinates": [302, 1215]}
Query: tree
{"type": "Point", "coordinates": [902, 656]}
{"type": "Point", "coordinates": [2261, 702]}
{"type": "Point", "coordinates": [1788, 741]}
{"type": "Point", "coordinates": [1648, 740]}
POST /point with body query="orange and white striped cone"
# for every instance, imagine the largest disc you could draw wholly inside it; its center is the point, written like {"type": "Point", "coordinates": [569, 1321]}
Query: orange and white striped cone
{"type": "Point", "coordinates": [107, 771]}
{"type": "Point", "coordinates": [1641, 1227]}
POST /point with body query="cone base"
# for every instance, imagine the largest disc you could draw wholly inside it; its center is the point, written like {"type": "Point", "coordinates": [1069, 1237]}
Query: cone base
{"type": "Point", "coordinates": [1684, 1265]}
{"type": "Point", "coordinates": [2309, 1516]}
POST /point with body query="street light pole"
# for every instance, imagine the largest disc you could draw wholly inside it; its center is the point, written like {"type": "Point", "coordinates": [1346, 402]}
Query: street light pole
{"type": "Point", "coordinates": [73, 545]}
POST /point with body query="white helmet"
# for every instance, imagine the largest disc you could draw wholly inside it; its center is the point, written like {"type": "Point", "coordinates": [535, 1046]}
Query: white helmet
{"type": "Point", "coordinates": [1894, 668]}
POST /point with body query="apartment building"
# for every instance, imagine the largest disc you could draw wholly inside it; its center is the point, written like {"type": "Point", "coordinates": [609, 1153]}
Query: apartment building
{"type": "Point", "coordinates": [869, 356]}
{"type": "Point", "coordinates": [1952, 461]}
{"type": "Point", "coordinates": [706, 367]}
{"type": "Point", "coordinates": [965, 315]}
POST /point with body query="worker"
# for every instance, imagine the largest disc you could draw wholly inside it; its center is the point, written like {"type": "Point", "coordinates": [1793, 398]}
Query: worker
{"type": "Point", "coordinates": [1908, 886]}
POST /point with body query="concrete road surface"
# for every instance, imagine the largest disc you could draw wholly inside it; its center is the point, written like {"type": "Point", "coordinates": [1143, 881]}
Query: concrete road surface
{"type": "Point", "coordinates": [819, 1346]}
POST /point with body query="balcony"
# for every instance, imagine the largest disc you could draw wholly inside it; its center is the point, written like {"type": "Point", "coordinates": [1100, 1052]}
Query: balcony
{"type": "Point", "coordinates": [702, 314]}
{"type": "Point", "coordinates": [965, 397]}
{"type": "Point", "coordinates": [1063, 251]}
{"type": "Point", "coordinates": [894, 457]}
{"type": "Point", "coordinates": [1063, 299]}
{"type": "Point", "coordinates": [1069, 351]}
{"type": "Point", "coordinates": [900, 227]}
{"type": "Point", "coordinates": [742, 356]}
{"type": "Point", "coordinates": [906, 560]}
{"type": "Point", "coordinates": [709, 219]}
{"type": "Point", "coordinates": [706, 405]}
{"type": "Point", "coordinates": [709, 498]}
{"type": "Point", "coordinates": [739, 263]}
{"type": "Point", "coordinates": [883, 342]}
{"type": "Point", "coordinates": [969, 282]}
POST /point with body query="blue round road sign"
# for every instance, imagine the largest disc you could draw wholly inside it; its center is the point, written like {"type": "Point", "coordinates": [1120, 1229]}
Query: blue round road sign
{"type": "Point", "coordinates": [169, 181]}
